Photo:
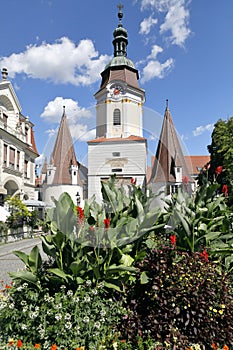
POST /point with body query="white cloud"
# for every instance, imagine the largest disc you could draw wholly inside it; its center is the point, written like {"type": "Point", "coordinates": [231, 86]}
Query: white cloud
{"type": "Point", "coordinates": [60, 62]}
{"type": "Point", "coordinates": [146, 25]}
{"type": "Point", "coordinates": [54, 110]}
{"type": "Point", "coordinates": [79, 131]}
{"type": "Point", "coordinates": [202, 128]}
{"type": "Point", "coordinates": [154, 68]}
{"type": "Point", "coordinates": [154, 51]}
{"type": "Point", "coordinates": [176, 19]}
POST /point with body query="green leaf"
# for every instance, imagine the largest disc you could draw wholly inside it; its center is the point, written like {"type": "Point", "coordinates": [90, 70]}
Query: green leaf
{"type": "Point", "coordinates": [60, 273]}
{"type": "Point", "coordinates": [126, 260]}
{"type": "Point", "coordinates": [23, 256]}
{"type": "Point", "coordinates": [34, 260]}
{"type": "Point", "coordinates": [25, 276]}
{"type": "Point", "coordinates": [144, 278]}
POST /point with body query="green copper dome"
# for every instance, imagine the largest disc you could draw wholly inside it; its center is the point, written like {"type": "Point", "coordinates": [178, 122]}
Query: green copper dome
{"type": "Point", "coordinates": [120, 61]}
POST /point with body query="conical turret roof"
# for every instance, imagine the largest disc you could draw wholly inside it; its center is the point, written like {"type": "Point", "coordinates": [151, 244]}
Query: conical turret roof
{"type": "Point", "coordinates": [63, 155]}
{"type": "Point", "coordinates": [169, 154]}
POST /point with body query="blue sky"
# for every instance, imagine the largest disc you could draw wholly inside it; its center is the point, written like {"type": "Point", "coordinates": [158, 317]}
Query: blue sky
{"type": "Point", "coordinates": [54, 51]}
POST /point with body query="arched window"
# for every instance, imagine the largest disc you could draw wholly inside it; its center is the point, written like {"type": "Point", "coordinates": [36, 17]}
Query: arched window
{"type": "Point", "coordinates": [117, 117]}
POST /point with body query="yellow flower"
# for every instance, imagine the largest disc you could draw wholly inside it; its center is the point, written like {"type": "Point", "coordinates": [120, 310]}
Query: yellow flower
{"type": "Point", "coordinates": [210, 308]}
{"type": "Point", "coordinates": [215, 310]}
{"type": "Point", "coordinates": [223, 306]}
{"type": "Point", "coordinates": [220, 311]}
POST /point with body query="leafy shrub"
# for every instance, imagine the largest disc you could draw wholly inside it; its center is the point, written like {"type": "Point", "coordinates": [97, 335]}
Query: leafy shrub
{"type": "Point", "coordinates": [187, 299]}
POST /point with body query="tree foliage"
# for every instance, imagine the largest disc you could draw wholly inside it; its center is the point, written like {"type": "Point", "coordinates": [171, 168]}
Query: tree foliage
{"type": "Point", "coordinates": [221, 154]}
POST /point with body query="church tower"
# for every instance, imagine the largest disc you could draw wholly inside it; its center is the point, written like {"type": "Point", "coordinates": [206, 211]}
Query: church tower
{"type": "Point", "coordinates": [119, 147]}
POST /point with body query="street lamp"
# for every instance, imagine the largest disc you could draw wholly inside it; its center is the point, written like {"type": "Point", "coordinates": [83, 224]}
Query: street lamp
{"type": "Point", "coordinates": [78, 198]}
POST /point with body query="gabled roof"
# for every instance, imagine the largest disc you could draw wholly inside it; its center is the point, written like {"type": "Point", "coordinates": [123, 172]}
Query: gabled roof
{"type": "Point", "coordinates": [196, 163]}
{"type": "Point", "coordinates": [169, 154]}
{"type": "Point", "coordinates": [63, 155]}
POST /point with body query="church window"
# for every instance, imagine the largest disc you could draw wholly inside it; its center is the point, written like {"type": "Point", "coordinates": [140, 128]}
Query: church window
{"type": "Point", "coordinates": [116, 154]}
{"type": "Point", "coordinates": [117, 117]}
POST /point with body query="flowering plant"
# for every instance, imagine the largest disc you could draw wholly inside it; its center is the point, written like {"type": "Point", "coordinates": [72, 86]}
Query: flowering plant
{"type": "Point", "coordinates": [72, 320]}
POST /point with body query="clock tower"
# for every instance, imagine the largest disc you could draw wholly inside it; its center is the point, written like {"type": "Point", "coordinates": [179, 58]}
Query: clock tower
{"type": "Point", "coordinates": [119, 99]}
{"type": "Point", "coordinates": [119, 147]}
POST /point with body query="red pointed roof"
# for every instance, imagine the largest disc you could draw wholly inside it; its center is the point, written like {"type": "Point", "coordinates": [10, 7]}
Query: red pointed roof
{"type": "Point", "coordinates": [169, 154]}
{"type": "Point", "coordinates": [63, 155]}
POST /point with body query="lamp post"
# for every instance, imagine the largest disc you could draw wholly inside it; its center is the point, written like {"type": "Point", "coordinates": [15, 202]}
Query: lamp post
{"type": "Point", "coordinates": [78, 198]}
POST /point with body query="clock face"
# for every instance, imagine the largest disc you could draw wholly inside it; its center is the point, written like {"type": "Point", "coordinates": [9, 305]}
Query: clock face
{"type": "Point", "coordinates": [116, 90]}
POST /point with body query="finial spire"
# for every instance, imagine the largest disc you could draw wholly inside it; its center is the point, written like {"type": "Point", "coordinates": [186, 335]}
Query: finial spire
{"type": "Point", "coordinates": [120, 13]}
{"type": "Point", "coordinates": [167, 103]}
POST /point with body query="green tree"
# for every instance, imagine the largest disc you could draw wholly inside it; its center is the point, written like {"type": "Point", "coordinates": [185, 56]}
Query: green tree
{"type": "Point", "coordinates": [19, 213]}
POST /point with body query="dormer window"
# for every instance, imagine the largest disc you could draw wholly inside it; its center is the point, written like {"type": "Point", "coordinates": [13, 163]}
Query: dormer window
{"type": "Point", "coordinates": [117, 117]}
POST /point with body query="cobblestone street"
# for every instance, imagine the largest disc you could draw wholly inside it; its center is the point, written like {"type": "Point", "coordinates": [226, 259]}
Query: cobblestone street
{"type": "Point", "coordinates": [8, 261]}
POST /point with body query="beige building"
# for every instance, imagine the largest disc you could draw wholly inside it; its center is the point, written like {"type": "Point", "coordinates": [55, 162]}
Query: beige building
{"type": "Point", "coordinates": [17, 146]}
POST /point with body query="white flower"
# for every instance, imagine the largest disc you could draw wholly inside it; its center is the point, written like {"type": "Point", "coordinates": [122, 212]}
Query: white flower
{"type": "Point", "coordinates": [88, 283]}
{"type": "Point", "coordinates": [68, 325]}
{"type": "Point", "coordinates": [86, 319]}
{"type": "Point", "coordinates": [102, 313]}
{"type": "Point", "coordinates": [70, 293]}
{"type": "Point", "coordinates": [24, 326]}
{"type": "Point", "coordinates": [58, 317]}
{"type": "Point", "coordinates": [67, 317]}
{"type": "Point", "coordinates": [87, 299]}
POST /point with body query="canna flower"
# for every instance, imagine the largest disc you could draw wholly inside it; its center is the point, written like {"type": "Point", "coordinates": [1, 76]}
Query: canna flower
{"type": "Point", "coordinates": [218, 170]}
{"type": "Point", "coordinates": [7, 286]}
{"type": "Point", "coordinates": [214, 346]}
{"type": "Point", "coordinates": [185, 180]}
{"type": "Point", "coordinates": [106, 223]}
{"type": "Point", "coordinates": [80, 213]}
{"type": "Point", "coordinates": [225, 347]}
{"type": "Point", "coordinates": [133, 181]}
{"type": "Point", "coordinates": [206, 166]}
{"type": "Point", "coordinates": [225, 190]}
{"type": "Point", "coordinates": [37, 346]}
{"type": "Point", "coordinates": [173, 239]}
{"type": "Point", "coordinates": [205, 255]}
{"type": "Point", "coordinates": [19, 344]}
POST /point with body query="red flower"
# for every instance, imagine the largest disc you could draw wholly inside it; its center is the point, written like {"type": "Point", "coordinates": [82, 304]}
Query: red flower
{"type": "Point", "coordinates": [185, 179]}
{"type": "Point", "coordinates": [80, 213]}
{"type": "Point", "coordinates": [206, 166]}
{"type": "Point", "coordinates": [54, 347]}
{"type": "Point", "coordinates": [37, 346]}
{"type": "Point", "coordinates": [173, 239]}
{"type": "Point", "coordinates": [7, 286]}
{"type": "Point", "coordinates": [133, 181]}
{"type": "Point", "coordinates": [205, 255]}
{"type": "Point", "coordinates": [106, 223]}
{"type": "Point", "coordinates": [225, 347]}
{"type": "Point", "coordinates": [225, 190]}
{"type": "Point", "coordinates": [218, 170]}
{"type": "Point", "coordinates": [19, 344]}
